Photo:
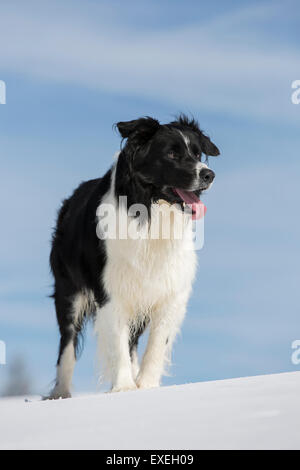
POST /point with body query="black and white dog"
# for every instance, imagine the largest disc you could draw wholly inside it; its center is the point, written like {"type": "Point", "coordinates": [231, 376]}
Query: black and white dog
{"type": "Point", "coordinates": [129, 282]}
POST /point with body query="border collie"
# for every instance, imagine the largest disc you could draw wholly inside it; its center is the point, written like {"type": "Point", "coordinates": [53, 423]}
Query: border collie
{"type": "Point", "coordinates": [130, 281]}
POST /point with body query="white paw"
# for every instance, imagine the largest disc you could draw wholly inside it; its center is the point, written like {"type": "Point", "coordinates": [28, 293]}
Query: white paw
{"type": "Point", "coordinates": [124, 387]}
{"type": "Point", "coordinates": [144, 382]}
{"type": "Point", "coordinates": [56, 394]}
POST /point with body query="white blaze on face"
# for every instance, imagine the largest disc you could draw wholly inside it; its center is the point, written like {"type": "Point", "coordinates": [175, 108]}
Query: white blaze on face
{"type": "Point", "coordinates": [186, 141]}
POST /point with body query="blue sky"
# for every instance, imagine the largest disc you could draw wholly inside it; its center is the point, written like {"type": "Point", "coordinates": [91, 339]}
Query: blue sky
{"type": "Point", "coordinates": [72, 69]}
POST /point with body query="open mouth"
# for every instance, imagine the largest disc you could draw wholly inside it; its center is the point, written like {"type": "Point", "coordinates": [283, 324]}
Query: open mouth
{"type": "Point", "coordinates": [192, 200]}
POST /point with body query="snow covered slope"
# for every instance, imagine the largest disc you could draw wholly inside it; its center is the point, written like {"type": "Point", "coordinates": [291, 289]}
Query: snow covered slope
{"type": "Point", "coordinates": [248, 413]}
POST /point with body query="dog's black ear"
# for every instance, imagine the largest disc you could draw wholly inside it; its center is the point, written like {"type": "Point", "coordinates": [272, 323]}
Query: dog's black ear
{"type": "Point", "coordinates": [140, 130]}
{"type": "Point", "coordinates": [208, 147]}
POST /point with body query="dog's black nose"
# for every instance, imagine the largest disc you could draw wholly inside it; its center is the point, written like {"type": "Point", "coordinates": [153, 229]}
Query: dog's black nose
{"type": "Point", "coordinates": [207, 175]}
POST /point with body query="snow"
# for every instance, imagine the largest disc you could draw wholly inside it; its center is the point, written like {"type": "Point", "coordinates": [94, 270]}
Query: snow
{"type": "Point", "coordinates": [248, 413]}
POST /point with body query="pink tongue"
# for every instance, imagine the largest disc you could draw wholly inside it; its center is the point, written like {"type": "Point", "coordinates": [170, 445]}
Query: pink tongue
{"type": "Point", "coordinates": [190, 198]}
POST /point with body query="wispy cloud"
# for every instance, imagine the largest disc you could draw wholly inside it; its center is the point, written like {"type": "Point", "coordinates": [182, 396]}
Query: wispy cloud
{"type": "Point", "coordinates": [228, 63]}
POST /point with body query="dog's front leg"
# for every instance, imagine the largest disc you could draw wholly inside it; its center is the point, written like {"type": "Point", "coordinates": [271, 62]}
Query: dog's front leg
{"type": "Point", "coordinates": [112, 328]}
{"type": "Point", "coordinates": [163, 328]}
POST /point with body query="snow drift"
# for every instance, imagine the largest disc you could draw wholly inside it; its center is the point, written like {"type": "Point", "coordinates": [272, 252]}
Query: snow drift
{"type": "Point", "coordinates": [248, 413]}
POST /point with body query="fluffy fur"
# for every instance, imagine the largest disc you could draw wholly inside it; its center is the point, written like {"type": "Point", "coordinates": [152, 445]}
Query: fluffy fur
{"type": "Point", "coordinates": [128, 283]}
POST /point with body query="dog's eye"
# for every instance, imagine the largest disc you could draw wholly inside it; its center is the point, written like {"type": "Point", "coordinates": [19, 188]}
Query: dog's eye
{"type": "Point", "coordinates": [171, 155]}
{"type": "Point", "coordinates": [198, 156]}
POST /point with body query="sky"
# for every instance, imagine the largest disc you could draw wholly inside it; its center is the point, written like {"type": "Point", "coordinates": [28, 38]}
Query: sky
{"type": "Point", "coordinates": [72, 69]}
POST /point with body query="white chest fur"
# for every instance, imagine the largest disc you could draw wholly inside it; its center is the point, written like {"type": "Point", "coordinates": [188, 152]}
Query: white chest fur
{"type": "Point", "coordinates": [143, 272]}
{"type": "Point", "coordinates": [146, 264]}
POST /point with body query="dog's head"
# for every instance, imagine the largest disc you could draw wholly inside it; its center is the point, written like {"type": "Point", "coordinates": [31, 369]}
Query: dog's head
{"type": "Point", "coordinates": [168, 157]}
